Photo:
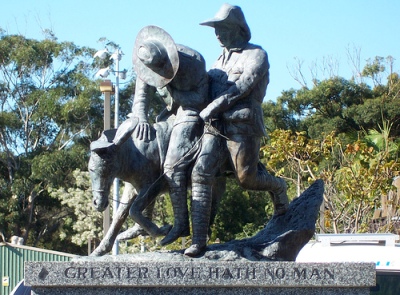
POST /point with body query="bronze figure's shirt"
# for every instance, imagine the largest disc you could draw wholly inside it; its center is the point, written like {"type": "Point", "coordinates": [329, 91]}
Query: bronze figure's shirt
{"type": "Point", "coordinates": [238, 83]}
{"type": "Point", "coordinates": [188, 91]}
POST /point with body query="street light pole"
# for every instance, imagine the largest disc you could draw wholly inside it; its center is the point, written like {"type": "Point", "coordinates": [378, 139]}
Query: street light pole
{"type": "Point", "coordinates": [116, 58]}
{"type": "Point", "coordinates": [106, 88]}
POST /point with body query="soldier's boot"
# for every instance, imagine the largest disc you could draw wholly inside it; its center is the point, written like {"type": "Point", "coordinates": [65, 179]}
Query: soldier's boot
{"type": "Point", "coordinates": [201, 211]}
{"type": "Point", "coordinates": [276, 186]}
{"type": "Point", "coordinates": [279, 196]}
{"type": "Point", "coordinates": [178, 195]}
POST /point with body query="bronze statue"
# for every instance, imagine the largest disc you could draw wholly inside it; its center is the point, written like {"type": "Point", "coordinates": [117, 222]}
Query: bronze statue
{"type": "Point", "coordinates": [213, 122]}
{"type": "Point", "coordinates": [238, 83]}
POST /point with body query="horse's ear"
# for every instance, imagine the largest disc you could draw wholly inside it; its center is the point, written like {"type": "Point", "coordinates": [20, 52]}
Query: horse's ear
{"type": "Point", "coordinates": [100, 145]}
{"type": "Point", "coordinates": [125, 130]}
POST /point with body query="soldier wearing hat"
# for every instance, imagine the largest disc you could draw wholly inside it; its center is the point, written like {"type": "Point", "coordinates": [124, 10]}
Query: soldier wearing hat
{"type": "Point", "coordinates": [238, 83]}
{"type": "Point", "coordinates": [179, 74]}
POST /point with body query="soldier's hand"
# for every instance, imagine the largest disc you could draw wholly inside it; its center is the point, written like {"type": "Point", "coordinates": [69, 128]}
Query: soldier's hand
{"type": "Point", "coordinates": [143, 131]}
{"type": "Point", "coordinates": [206, 114]}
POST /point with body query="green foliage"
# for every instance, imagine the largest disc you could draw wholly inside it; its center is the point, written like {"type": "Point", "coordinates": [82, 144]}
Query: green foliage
{"type": "Point", "coordinates": [339, 105]}
{"type": "Point", "coordinates": [241, 213]}
{"type": "Point", "coordinates": [373, 69]}
{"type": "Point", "coordinates": [365, 174]}
{"type": "Point", "coordinates": [280, 115]}
{"type": "Point", "coordinates": [325, 105]}
{"type": "Point", "coordinates": [50, 110]}
{"type": "Point", "coordinates": [9, 208]}
{"type": "Point", "coordinates": [57, 167]}
{"type": "Point", "coordinates": [86, 222]}
{"type": "Point", "coordinates": [356, 173]}
{"type": "Point", "coordinates": [297, 157]}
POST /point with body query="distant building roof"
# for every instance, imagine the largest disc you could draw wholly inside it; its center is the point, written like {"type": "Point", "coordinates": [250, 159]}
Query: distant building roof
{"type": "Point", "coordinates": [13, 257]}
{"type": "Point", "coordinates": [29, 248]}
{"type": "Point", "coordinates": [21, 289]}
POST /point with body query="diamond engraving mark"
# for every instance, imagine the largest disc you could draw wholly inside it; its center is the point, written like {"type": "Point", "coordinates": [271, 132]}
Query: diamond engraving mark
{"type": "Point", "coordinates": [43, 274]}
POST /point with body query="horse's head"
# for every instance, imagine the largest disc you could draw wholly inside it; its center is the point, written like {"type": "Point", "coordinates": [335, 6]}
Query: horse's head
{"type": "Point", "coordinates": [104, 163]}
{"type": "Point", "coordinates": [102, 170]}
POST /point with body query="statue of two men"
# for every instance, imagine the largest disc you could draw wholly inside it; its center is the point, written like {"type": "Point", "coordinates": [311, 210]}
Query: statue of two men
{"type": "Point", "coordinates": [226, 100]}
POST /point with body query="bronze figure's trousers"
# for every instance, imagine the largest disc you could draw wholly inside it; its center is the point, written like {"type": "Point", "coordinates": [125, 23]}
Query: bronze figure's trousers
{"type": "Point", "coordinates": [179, 156]}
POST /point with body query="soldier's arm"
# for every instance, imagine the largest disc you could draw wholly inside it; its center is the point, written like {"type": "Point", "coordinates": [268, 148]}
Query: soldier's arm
{"type": "Point", "coordinates": [256, 68]}
{"type": "Point", "coordinates": [140, 109]}
{"type": "Point", "coordinates": [140, 103]}
{"type": "Point", "coordinates": [195, 98]}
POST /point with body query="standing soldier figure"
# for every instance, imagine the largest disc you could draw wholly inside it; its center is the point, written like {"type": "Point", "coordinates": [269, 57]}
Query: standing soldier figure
{"type": "Point", "coordinates": [238, 83]}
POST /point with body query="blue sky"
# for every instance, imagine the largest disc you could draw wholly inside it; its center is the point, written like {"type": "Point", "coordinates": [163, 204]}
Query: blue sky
{"type": "Point", "coordinates": [309, 31]}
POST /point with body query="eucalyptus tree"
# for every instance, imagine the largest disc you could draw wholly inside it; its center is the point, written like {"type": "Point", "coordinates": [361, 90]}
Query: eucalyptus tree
{"type": "Point", "coordinates": [50, 109]}
{"type": "Point", "coordinates": [341, 105]}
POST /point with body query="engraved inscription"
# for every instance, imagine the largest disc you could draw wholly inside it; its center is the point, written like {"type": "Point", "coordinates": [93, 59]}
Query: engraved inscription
{"type": "Point", "coordinates": [314, 273]}
{"type": "Point", "coordinates": [275, 273]}
{"type": "Point", "coordinates": [199, 273]}
{"type": "Point", "coordinates": [195, 273]}
{"type": "Point", "coordinates": [82, 273]}
{"type": "Point", "coordinates": [178, 272]}
{"type": "Point", "coordinates": [192, 273]}
{"type": "Point", "coordinates": [234, 273]}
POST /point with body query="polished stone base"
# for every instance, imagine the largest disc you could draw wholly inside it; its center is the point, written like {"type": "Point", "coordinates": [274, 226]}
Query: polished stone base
{"type": "Point", "coordinates": [198, 277]}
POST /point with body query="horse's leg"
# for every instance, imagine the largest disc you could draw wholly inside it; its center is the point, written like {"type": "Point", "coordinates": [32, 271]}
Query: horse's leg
{"type": "Point", "coordinates": [131, 233]}
{"type": "Point", "coordinates": [137, 230]}
{"type": "Point", "coordinates": [107, 242]}
{"type": "Point", "coordinates": [145, 198]}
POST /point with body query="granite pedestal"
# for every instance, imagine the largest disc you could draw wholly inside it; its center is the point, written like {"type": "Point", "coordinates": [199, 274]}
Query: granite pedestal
{"type": "Point", "coordinates": [198, 277]}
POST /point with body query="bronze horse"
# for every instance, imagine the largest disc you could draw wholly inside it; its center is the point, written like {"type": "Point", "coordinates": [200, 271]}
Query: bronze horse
{"type": "Point", "coordinates": [139, 164]}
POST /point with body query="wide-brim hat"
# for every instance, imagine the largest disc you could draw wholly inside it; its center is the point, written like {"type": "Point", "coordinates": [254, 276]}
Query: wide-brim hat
{"type": "Point", "coordinates": [155, 56]}
{"type": "Point", "coordinates": [230, 14]}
